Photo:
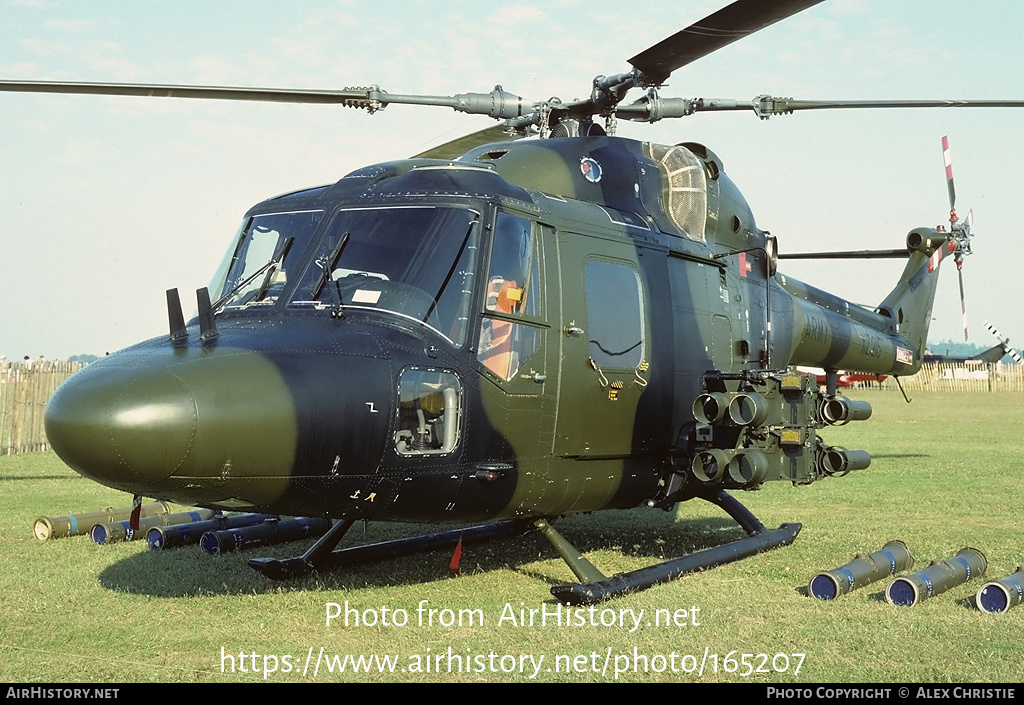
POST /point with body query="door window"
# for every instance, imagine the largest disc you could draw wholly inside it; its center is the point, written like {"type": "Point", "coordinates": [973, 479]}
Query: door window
{"type": "Point", "coordinates": [614, 314]}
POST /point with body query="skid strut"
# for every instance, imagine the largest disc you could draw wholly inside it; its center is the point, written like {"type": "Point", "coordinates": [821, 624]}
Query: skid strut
{"type": "Point", "coordinates": [321, 557]}
{"type": "Point", "coordinates": [595, 586]}
{"type": "Point", "coordinates": [592, 591]}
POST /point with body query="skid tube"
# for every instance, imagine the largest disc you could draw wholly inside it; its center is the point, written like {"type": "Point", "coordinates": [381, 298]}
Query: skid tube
{"type": "Point", "coordinates": [321, 557]}
{"type": "Point", "coordinates": [760, 539]}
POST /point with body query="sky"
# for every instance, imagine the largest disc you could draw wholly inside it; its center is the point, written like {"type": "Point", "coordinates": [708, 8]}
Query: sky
{"type": "Point", "coordinates": [107, 202]}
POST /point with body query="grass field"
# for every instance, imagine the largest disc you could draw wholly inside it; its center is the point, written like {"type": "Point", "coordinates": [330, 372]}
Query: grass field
{"type": "Point", "coordinates": [946, 473]}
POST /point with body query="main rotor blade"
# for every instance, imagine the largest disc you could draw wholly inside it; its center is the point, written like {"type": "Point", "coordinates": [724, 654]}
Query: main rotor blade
{"type": "Point", "coordinates": [348, 96]}
{"type": "Point", "coordinates": [498, 103]}
{"type": "Point", "coordinates": [715, 31]}
{"type": "Point", "coordinates": [1005, 343]}
{"type": "Point", "coordinates": [848, 254]}
{"type": "Point", "coordinates": [766, 106]}
{"type": "Point", "coordinates": [652, 107]}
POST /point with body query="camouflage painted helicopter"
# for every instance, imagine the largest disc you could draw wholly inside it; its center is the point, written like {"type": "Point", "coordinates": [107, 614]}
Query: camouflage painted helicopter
{"type": "Point", "coordinates": [502, 332]}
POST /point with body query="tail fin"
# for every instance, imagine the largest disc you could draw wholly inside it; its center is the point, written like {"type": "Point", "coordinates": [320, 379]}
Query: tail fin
{"type": "Point", "coordinates": [909, 304]}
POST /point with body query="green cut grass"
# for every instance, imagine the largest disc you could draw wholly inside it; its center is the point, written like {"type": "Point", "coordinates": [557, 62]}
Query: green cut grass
{"type": "Point", "coordinates": [946, 473]}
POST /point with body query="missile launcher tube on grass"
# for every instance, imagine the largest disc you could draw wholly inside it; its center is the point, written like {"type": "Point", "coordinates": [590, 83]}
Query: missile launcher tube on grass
{"type": "Point", "coordinates": [265, 534]}
{"type": "Point", "coordinates": [936, 578]}
{"type": "Point", "coordinates": [1001, 595]}
{"type": "Point", "coordinates": [166, 537]}
{"type": "Point", "coordinates": [863, 570]}
{"type": "Point", "coordinates": [114, 531]}
{"type": "Point", "coordinates": [60, 527]}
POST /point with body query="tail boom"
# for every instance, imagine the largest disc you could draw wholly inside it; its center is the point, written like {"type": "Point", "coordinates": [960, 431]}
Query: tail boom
{"type": "Point", "coordinates": [814, 328]}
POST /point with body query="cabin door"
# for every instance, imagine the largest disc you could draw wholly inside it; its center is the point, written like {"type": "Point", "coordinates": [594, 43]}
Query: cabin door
{"type": "Point", "coordinates": [604, 335]}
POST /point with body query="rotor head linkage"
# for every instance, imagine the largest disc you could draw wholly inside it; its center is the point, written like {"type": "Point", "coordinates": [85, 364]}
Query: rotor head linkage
{"type": "Point", "coordinates": [610, 90]}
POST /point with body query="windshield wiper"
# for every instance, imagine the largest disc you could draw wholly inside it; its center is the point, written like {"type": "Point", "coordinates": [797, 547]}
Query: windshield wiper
{"type": "Point", "coordinates": [282, 250]}
{"type": "Point", "coordinates": [327, 267]}
{"type": "Point", "coordinates": [451, 271]}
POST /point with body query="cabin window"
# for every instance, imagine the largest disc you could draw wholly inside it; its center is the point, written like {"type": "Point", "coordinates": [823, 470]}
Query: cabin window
{"type": "Point", "coordinates": [429, 412]}
{"type": "Point", "coordinates": [615, 314]}
{"type": "Point", "coordinates": [513, 292]}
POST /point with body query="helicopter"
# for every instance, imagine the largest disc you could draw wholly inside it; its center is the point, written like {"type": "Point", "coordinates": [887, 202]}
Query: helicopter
{"type": "Point", "coordinates": [990, 356]}
{"type": "Point", "coordinates": [503, 331]}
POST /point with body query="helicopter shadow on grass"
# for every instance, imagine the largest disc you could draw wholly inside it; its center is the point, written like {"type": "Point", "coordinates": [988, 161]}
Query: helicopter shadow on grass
{"type": "Point", "coordinates": [651, 536]}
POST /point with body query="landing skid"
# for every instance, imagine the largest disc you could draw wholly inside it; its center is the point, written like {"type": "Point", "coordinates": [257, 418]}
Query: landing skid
{"type": "Point", "coordinates": [594, 589]}
{"type": "Point", "coordinates": [321, 557]}
{"type": "Point", "coordinates": [594, 586]}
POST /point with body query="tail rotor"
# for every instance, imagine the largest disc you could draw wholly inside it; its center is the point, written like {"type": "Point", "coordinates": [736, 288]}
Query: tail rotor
{"type": "Point", "coordinates": [961, 230]}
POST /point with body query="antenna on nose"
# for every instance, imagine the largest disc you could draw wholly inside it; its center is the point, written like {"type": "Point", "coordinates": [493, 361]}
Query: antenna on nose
{"type": "Point", "coordinates": [175, 319]}
{"type": "Point", "coordinates": [207, 326]}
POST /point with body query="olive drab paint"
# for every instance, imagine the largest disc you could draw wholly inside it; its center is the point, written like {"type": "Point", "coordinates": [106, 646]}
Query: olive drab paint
{"type": "Point", "coordinates": [503, 330]}
{"type": "Point", "coordinates": [562, 381]}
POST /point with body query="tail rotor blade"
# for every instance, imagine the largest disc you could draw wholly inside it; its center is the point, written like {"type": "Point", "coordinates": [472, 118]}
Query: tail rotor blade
{"type": "Point", "coordinates": [963, 301]}
{"type": "Point", "coordinates": [947, 158]}
{"type": "Point", "coordinates": [961, 232]}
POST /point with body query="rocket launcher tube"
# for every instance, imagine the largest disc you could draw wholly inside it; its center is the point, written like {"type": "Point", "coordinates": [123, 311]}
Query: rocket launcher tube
{"type": "Point", "coordinates": [265, 534]}
{"type": "Point", "coordinates": [839, 461]}
{"type": "Point", "coordinates": [710, 465]}
{"type": "Point", "coordinates": [863, 570]}
{"type": "Point", "coordinates": [748, 466]}
{"type": "Point", "coordinates": [937, 578]}
{"type": "Point", "coordinates": [841, 410]}
{"type": "Point", "coordinates": [712, 407]}
{"type": "Point", "coordinates": [748, 409]}
{"type": "Point", "coordinates": [78, 524]}
{"type": "Point", "coordinates": [114, 531]}
{"type": "Point", "coordinates": [164, 537]}
{"type": "Point", "coordinates": [1001, 595]}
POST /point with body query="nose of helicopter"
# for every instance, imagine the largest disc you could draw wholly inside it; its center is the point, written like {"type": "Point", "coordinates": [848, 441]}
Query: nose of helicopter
{"type": "Point", "coordinates": [227, 425]}
{"type": "Point", "coordinates": [118, 425]}
{"type": "Point", "coordinates": [187, 424]}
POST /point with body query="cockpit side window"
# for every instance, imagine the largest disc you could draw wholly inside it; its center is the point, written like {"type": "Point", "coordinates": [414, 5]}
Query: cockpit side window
{"type": "Point", "coordinates": [512, 276]}
{"type": "Point", "coordinates": [513, 291]}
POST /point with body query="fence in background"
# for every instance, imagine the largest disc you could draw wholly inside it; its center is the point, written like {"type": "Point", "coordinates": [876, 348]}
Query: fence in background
{"type": "Point", "coordinates": [996, 377]}
{"type": "Point", "coordinates": [24, 391]}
